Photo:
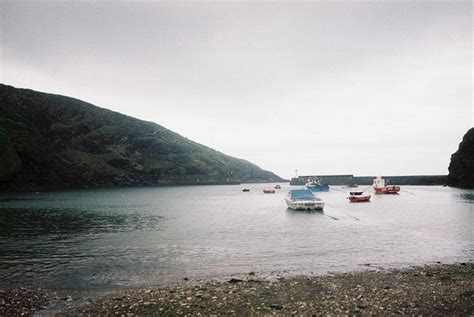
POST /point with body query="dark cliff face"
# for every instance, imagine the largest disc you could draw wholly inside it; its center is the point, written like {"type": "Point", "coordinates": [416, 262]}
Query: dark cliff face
{"type": "Point", "coordinates": [51, 141]}
{"type": "Point", "coordinates": [461, 169]}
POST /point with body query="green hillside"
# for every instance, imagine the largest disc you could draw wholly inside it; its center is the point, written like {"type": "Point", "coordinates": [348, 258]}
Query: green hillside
{"type": "Point", "coordinates": [50, 142]}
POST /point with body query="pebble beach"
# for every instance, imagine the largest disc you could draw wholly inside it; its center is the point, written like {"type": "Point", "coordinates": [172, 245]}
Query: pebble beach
{"type": "Point", "coordinates": [427, 290]}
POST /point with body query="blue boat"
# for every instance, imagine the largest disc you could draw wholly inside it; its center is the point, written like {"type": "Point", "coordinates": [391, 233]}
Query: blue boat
{"type": "Point", "coordinates": [303, 199]}
{"type": "Point", "coordinates": [315, 185]}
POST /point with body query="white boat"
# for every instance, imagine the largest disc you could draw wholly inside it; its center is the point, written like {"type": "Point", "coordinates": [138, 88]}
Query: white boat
{"type": "Point", "coordinates": [303, 199]}
{"type": "Point", "coordinates": [381, 187]}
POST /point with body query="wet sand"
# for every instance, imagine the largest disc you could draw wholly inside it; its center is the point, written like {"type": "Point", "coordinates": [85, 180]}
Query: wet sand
{"type": "Point", "coordinates": [429, 290]}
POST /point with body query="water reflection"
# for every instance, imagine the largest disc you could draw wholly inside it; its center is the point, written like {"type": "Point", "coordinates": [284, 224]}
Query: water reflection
{"type": "Point", "coordinates": [33, 222]}
{"type": "Point", "coordinates": [13, 199]}
{"type": "Point", "coordinates": [467, 197]}
{"type": "Point", "coordinates": [37, 242]}
{"type": "Point", "coordinates": [304, 211]}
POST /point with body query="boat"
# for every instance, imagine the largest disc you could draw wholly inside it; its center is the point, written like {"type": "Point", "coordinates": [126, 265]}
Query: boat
{"type": "Point", "coordinates": [357, 197]}
{"type": "Point", "coordinates": [269, 191]}
{"type": "Point", "coordinates": [245, 190]}
{"type": "Point", "coordinates": [303, 199]}
{"type": "Point", "coordinates": [381, 188]}
{"type": "Point", "coordinates": [277, 186]}
{"type": "Point", "coordinates": [315, 185]}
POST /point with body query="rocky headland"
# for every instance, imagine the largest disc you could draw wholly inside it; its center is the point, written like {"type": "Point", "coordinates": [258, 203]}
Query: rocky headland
{"type": "Point", "coordinates": [461, 168]}
{"type": "Point", "coordinates": [55, 142]}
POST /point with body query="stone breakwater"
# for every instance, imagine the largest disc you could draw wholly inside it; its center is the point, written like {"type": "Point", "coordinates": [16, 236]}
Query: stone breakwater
{"type": "Point", "coordinates": [429, 290]}
{"type": "Point", "coordinates": [428, 180]}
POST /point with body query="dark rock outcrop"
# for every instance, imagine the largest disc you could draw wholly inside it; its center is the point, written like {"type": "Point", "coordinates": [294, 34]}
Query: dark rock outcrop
{"type": "Point", "coordinates": [461, 169]}
{"type": "Point", "coordinates": [52, 142]}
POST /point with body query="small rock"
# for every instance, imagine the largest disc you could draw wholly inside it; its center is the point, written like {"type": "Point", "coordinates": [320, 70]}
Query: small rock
{"type": "Point", "coordinates": [186, 279]}
{"type": "Point", "coordinates": [276, 306]}
{"type": "Point", "coordinates": [254, 281]}
{"type": "Point", "coordinates": [235, 280]}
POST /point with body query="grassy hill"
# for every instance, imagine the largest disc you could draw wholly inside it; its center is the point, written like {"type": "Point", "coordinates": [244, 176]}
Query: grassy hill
{"type": "Point", "coordinates": [51, 141]}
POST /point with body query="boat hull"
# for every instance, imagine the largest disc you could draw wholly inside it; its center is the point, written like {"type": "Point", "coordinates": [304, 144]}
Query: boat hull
{"type": "Point", "coordinates": [269, 191]}
{"type": "Point", "coordinates": [359, 199]}
{"type": "Point", "coordinates": [387, 190]}
{"type": "Point", "coordinates": [304, 205]}
{"type": "Point", "coordinates": [318, 188]}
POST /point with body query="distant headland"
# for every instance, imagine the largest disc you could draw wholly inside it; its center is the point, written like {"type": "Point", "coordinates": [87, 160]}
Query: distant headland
{"type": "Point", "coordinates": [55, 142]}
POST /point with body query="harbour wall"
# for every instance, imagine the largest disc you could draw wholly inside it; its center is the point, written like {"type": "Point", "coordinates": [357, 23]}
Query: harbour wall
{"type": "Point", "coordinates": [367, 180]}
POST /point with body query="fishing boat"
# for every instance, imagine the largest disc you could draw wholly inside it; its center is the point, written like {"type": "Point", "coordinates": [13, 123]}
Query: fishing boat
{"type": "Point", "coordinates": [303, 199]}
{"type": "Point", "coordinates": [245, 190]}
{"type": "Point", "coordinates": [381, 188]}
{"type": "Point", "coordinates": [277, 186]}
{"type": "Point", "coordinates": [357, 197]}
{"type": "Point", "coordinates": [315, 185]}
{"type": "Point", "coordinates": [269, 191]}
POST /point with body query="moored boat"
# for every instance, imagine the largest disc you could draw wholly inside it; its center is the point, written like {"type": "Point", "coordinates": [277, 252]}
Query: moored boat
{"type": "Point", "coordinates": [277, 186]}
{"type": "Point", "coordinates": [303, 199]}
{"type": "Point", "coordinates": [357, 197]}
{"type": "Point", "coordinates": [268, 191]}
{"type": "Point", "coordinates": [381, 188]}
{"type": "Point", "coordinates": [245, 190]}
{"type": "Point", "coordinates": [315, 185]}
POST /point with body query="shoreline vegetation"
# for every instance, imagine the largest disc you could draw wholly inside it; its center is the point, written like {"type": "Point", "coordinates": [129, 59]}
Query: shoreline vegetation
{"type": "Point", "coordinates": [442, 289]}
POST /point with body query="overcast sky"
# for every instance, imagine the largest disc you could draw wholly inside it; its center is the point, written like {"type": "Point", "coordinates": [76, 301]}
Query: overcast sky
{"type": "Point", "coordinates": [323, 87]}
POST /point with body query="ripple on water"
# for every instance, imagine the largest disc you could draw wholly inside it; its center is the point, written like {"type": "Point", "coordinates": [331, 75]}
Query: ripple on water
{"type": "Point", "coordinates": [127, 237]}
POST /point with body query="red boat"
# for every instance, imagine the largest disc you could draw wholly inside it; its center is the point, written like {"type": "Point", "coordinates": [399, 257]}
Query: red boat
{"type": "Point", "coordinates": [358, 197]}
{"type": "Point", "coordinates": [381, 188]}
{"type": "Point", "coordinates": [387, 190]}
{"type": "Point", "coordinates": [269, 191]}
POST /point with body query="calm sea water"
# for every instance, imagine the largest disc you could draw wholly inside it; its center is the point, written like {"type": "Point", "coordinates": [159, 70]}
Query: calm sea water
{"type": "Point", "coordinates": [127, 237]}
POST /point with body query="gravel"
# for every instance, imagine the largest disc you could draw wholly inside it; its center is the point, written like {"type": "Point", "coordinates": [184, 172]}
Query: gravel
{"type": "Point", "coordinates": [430, 290]}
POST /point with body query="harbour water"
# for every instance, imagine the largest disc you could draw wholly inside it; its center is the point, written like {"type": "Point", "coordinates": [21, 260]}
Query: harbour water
{"type": "Point", "coordinates": [108, 239]}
